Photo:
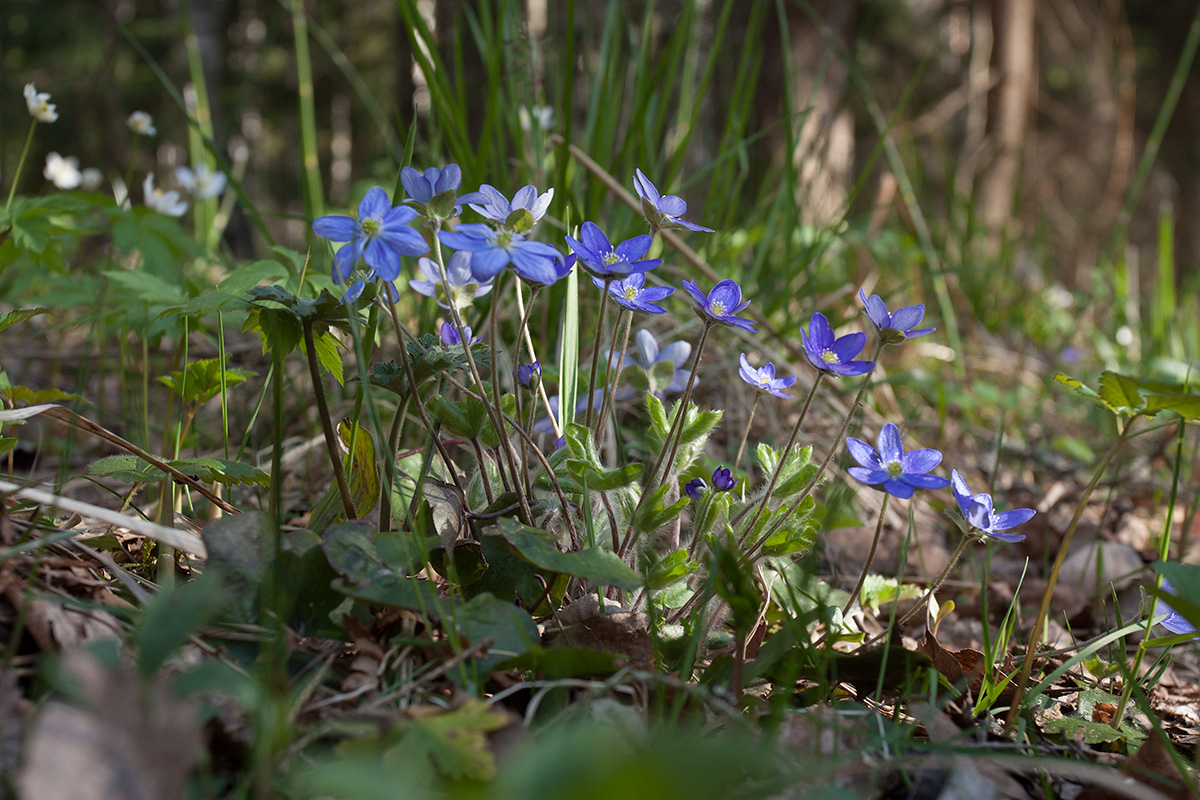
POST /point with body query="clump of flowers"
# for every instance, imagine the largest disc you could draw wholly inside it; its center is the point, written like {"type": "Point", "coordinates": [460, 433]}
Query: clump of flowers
{"type": "Point", "coordinates": [894, 328]}
{"type": "Point", "coordinates": [62, 171]}
{"type": "Point", "coordinates": [142, 124]}
{"type": "Point", "coordinates": [164, 202]}
{"type": "Point", "coordinates": [464, 289]}
{"type": "Point", "coordinates": [379, 236]}
{"type": "Point", "coordinates": [721, 305]}
{"type": "Point", "coordinates": [39, 105]}
{"type": "Point", "coordinates": [980, 515]}
{"type": "Point", "coordinates": [202, 182]}
{"type": "Point", "coordinates": [763, 378]}
{"type": "Point", "coordinates": [443, 183]}
{"type": "Point", "coordinates": [832, 354]}
{"type": "Point", "coordinates": [663, 212]}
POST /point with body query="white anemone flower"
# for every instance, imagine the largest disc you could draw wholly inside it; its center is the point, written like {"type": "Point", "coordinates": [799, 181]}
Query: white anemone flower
{"type": "Point", "coordinates": [40, 107]}
{"type": "Point", "coordinates": [142, 124]}
{"type": "Point", "coordinates": [156, 199]}
{"type": "Point", "coordinates": [63, 172]}
{"type": "Point", "coordinates": [93, 179]}
{"type": "Point", "coordinates": [201, 183]}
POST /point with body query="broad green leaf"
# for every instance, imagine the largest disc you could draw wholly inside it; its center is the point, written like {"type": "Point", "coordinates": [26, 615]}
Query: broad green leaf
{"type": "Point", "coordinates": [239, 550]}
{"type": "Point", "coordinates": [200, 381]}
{"type": "Point", "coordinates": [668, 569]}
{"type": "Point", "coordinates": [655, 514]}
{"type": "Point", "coordinates": [221, 470]}
{"type": "Point", "coordinates": [604, 480]}
{"type": "Point", "coordinates": [126, 468]}
{"type": "Point", "coordinates": [23, 394]}
{"type": "Point", "coordinates": [455, 741]}
{"type": "Point", "coordinates": [659, 425]}
{"type": "Point", "coordinates": [1185, 405]}
{"type": "Point", "coordinates": [362, 473]}
{"type": "Point", "coordinates": [171, 617]}
{"type": "Point", "coordinates": [149, 288]}
{"type": "Point", "coordinates": [329, 356]}
{"type": "Point", "coordinates": [601, 567]}
{"type": "Point", "coordinates": [1077, 386]}
{"type": "Point", "coordinates": [486, 617]}
{"type": "Point", "coordinates": [1120, 394]}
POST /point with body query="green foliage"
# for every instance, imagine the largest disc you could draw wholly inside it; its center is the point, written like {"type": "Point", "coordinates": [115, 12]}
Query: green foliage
{"type": "Point", "coordinates": [1127, 397]}
{"type": "Point", "coordinates": [132, 469]}
{"type": "Point", "coordinates": [601, 567]}
{"type": "Point", "coordinates": [201, 381]}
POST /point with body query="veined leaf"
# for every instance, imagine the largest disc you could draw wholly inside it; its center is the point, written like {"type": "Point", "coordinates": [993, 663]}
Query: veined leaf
{"type": "Point", "coordinates": [1120, 394]}
{"type": "Point", "coordinates": [601, 567]}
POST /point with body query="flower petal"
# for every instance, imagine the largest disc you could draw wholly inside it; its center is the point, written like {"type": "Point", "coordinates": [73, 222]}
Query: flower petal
{"type": "Point", "coordinates": [819, 333]}
{"type": "Point", "coordinates": [1011, 519]}
{"type": "Point", "coordinates": [864, 454]}
{"type": "Point", "coordinates": [925, 481]}
{"type": "Point", "coordinates": [375, 203]}
{"type": "Point", "coordinates": [920, 461]}
{"type": "Point", "coordinates": [635, 248]}
{"type": "Point", "coordinates": [908, 317]}
{"type": "Point", "coordinates": [644, 187]}
{"type": "Point", "coordinates": [672, 205]}
{"type": "Point", "coordinates": [594, 240]}
{"type": "Point", "coordinates": [383, 259]}
{"type": "Point", "coordinates": [728, 294]}
{"type": "Point", "coordinates": [898, 488]}
{"type": "Point", "coordinates": [697, 295]}
{"type": "Point", "coordinates": [486, 264]}
{"type": "Point", "coordinates": [676, 352]}
{"type": "Point", "coordinates": [962, 492]}
{"type": "Point", "coordinates": [870, 477]}
{"type": "Point", "coordinates": [890, 446]}
{"type": "Point", "coordinates": [848, 346]}
{"type": "Point", "coordinates": [335, 228]}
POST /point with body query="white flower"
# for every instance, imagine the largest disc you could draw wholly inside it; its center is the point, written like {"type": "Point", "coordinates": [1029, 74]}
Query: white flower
{"type": "Point", "coordinates": [64, 172]}
{"type": "Point", "coordinates": [40, 107]}
{"type": "Point", "coordinates": [92, 179]}
{"type": "Point", "coordinates": [201, 183]}
{"type": "Point", "coordinates": [141, 123]}
{"type": "Point", "coordinates": [163, 202]}
{"type": "Point", "coordinates": [542, 116]}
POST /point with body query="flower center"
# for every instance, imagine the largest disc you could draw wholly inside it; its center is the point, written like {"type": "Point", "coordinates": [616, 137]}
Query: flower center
{"type": "Point", "coordinates": [717, 308]}
{"type": "Point", "coordinates": [895, 469]}
{"type": "Point", "coordinates": [610, 258]}
{"type": "Point", "coordinates": [504, 239]}
{"type": "Point", "coordinates": [630, 293]}
{"type": "Point", "coordinates": [372, 226]}
{"type": "Point", "coordinates": [829, 357]}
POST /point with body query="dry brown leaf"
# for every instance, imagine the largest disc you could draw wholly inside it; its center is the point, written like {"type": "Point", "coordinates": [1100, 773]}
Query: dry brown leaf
{"type": "Point", "coordinates": [120, 743]}
{"type": "Point", "coordinates": [55, 626]}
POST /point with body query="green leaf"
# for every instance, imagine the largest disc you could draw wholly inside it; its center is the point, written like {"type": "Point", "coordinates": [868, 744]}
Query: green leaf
{"type": "Point", "coordinates": [563, 662]}
{"type": "Point", "coordinates": [281, 331]}
{"type": "Point", "coordinates": [659, 425]}
{"type": "Point", "coordinates": [1120, 394]}
{"type": "Point", "coordinates": [239, 550]}
{"type": "Point", "coordinates": [221, 470]}
{"type": "Point", "coordinates": [668, 569]}
{"type": "Point", "coordinates": [329, 356]}
{"type": "Point", "coordinates": [147, 287]}
{"type": "Point", "coordinates": [126, 468]}
{"type": "Point", "coordinates": [484, 617]}
{"type": "Point", "coordinates": [1185, 405]}
{"type": "Point", "coordinates": [7, 443]}
{"type": "Point", "coordinates": [23, 394]}
{"type": "Point", "coordinates": [654, 514]}
{"type": "Point", "coordinates": [10, 318]}
{"type": "Point", "coordinates": [601, 567]}
{"type": "Point", "coordinates": [453, 416]}
{"type": "Point", "coordinates": [455, 741]}
{"type": "Point", "coordinates": [171, 617]}
{"type": "Point", "coordinates": [200, 381]}
{"type": "Point", "coordinates": [1077, 386]}
{"type": "Point", "coordinates": [362, 473]}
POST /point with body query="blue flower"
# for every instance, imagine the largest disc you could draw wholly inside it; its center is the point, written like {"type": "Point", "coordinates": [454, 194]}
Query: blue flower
{"type": "Point", "coordinates": [834, 355]}
{"type": "Point", "coordinates": [450, 337]}
{"type": "Point", "coordinates": [463, 287]}
{"type": "Point", "coordinates": [895, 328]}
{"type": "Point", "coordinates": [898, 471]}
{"type": "Point", "coordinates": [495, 206]}
{"type": "Point", "coordinates": [422, 187]}
{"type": "Point", "coordinates": [492, 250]}
{"type": "Point", "coordinates": [695, 487]}
{"type": "Point", "coordinates": [645, 355]}
{"type": "Point", "coordinates": [763, 378]}
{"type": "Point", "coordinates": [978, 511]}
{"type": "Point", "coordinates": [541, 273]}
{"type": "Point", "coordinates": [526, 374]}
{"type": "Point", "coordinates": [380, 235]}
{"type": "Point", "coordinates": [662, 212]}
{"type": "Point", "coordinates": [723, 481]}
{"type": "Point", "coordinates": [721, 305]}
{"type": "Point", "coordinates": [1172, 620]}
{"type": "Point", "coordinates": [631, 293]}
{"type": "Point", "coordinates": [604, 261]}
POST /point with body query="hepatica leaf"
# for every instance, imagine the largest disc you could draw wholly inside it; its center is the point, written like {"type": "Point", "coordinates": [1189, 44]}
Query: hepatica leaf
{"type": "Point", "coordinates": [601, 567]}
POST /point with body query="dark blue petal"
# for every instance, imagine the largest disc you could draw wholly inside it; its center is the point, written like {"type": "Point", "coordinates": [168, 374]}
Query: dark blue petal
{"type": "Point", "coordinates": [898, 488]}
{"type": "Point", "coordinates": [863, 453]}
{"type": "Point", "coordinates": [1011, 519]}
{"type": "Point", "coordinates": [486, 264]}
{"type": "Point", "coordinates": [375, 203]}
{"type": "Point", "coordinates": [868, 476]}
{"type": "Point", "coordinates": [925, 481]}
{"type": "Point", "coordinates": [917, 461]}
{"type": "Point", "coordinates": [890, 446]}
{"type": "Point", "coordinates": [336, 228]}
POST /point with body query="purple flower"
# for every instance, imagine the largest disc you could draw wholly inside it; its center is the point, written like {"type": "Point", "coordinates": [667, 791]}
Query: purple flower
{"type": "Point", "coordinates": [463, 287]}
{"type": "Point", "coordinates": [662, 212]}
{"type": "Point", "coordinates": [722, 480]}
{"type": "Point", "coordinates": [977, 510]}
{"type": "Point", "coordinates": [763, 378]}
{"type": "Point", "coordinates": [834, 355]}
{"type": "Point", "coordinates": [1172, 620]}
{"type": "Point", "coordinates": [695, 487]}
{"type": "Point", "coordinates": [496, 207]}
{"type": "Point", "coordinates": [604, 261]}
{"type": "Point", "coordinates": [631, 294]}
{"type": "Point", "coordinates": [422, 187]}
{"type": "Point", "coordinates": [380, 235]}
{"type": "Point", "coordinates": [450, 335]}
{"type": "Point", "coordinates": [898, 471]}
{"type": "Point", "coordinates": [492, 250]}
{"type": "Point", "coordinates": [895, 328]}
{"type": "Point", "coordinates": [526, 373]}
{"type": "Point", "coordinates": [721, 305]}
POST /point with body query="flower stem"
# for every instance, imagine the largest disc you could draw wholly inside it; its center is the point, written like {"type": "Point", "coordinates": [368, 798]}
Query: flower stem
{"type": "Point", "coordinates": [1035, 636]}
{"type": "Point", "coordinates": [596, 352]}
{"type": "Point", "coordinates": [937, 584]}
{"type": "Point", "coordinates": [749, 421]}
{"type": "Point", "coordinates": [1164, 552]}
{"type": "Point", "coordinates": [627, 316]}
{"type": "Point", "coordinates": [676, 432]}
{"type": "Point", "coordinates": [787, 451]}
{"type": "Point", "coordinates": [870, 557]}
{"type": "Point", "coordinates": [12, 190]}
{"type": "Point", "coordinates": [335, 455]}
